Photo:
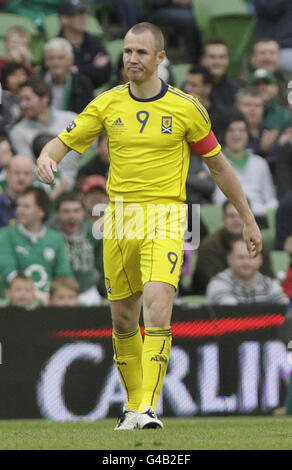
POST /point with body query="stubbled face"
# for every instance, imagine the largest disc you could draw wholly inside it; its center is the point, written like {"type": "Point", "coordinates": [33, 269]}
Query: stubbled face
{"type": "Point", "coordinates": [63, 296]}
{"type": "Point", "coordinates": [140, 56]}
{"type": "Point", "coordinates": [21, 292]}
{"type": "Point", "coordinates": [196, 87]}
{"type": "Point", "coordinates": [232, 221]}
{"type": "Point", "coordinates": [31, 104]}
{"type": "Point", "coordinates": [58, 64]}
{"type": "Point", "coordinates": [243, 265]}
{"type": "Point", "coordinates": [216, 59]}
{"type": "Point", "coordinates": [266, 56]}
{"type": "Point", "coordinates": [252, 107]}
{"type": "Point", "coordinates": [70, 216]}
{"type": "Point", "coordinates": [236, 136]}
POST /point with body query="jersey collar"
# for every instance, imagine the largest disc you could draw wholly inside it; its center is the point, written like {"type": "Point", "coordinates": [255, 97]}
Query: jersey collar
{"type": "Point", "coordinates": [34, 237]}
{"type": "Point", "coordinates": [164, 88]}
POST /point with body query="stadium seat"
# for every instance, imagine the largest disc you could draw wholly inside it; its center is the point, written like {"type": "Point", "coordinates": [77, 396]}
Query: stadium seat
{"type": "Point", "coordinates": [180, 72]}
{"type": "Point", "coordinates": [8, 20]}
{"type": "Point", "coordinates": [232, 21]}
{"type": "Point", "coordinates": [193, 300]}
{"type": "Point", "coordinates": [212, 216]}
{"type": "Point", "coordinates": [114, 49]}
{"type": "Point", "coordinates": [52, 26]}
{"type": "Point", "coordinates": [280, 261]}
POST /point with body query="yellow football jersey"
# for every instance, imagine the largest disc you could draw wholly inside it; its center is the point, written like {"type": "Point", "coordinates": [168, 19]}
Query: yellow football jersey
{"type": "Point", "coordinates": [148, 140]}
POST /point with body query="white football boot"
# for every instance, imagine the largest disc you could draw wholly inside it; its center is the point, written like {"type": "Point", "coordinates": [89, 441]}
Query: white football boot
{"type": "Point", "coordinates": [128, 420]}
{"type": "Point", "coordinates": [148, 419]}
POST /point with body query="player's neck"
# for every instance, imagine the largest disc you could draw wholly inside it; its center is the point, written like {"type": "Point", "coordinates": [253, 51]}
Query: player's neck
{"type": "Point", "coordinates": [147, 89]}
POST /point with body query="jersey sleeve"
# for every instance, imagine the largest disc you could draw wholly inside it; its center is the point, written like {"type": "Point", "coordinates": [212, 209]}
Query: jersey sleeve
{"type": "Point", "coordinates": [200, 135]}
{"type": "Point", "coordinates": [8, 264]}
{"type": "Point", "coordinates": [81, 132]}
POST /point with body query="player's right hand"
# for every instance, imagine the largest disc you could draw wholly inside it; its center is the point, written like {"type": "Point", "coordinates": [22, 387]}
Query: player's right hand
{"type": "Point", "coordinates": [46, 167]}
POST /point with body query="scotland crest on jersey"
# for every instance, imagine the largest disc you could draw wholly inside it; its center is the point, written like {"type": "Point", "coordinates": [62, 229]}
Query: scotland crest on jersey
{"type": "Point", "coordinates": [166, 125]}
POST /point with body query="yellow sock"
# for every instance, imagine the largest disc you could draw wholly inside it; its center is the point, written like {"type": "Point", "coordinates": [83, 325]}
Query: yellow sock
{"type": "Point", "coordinates": [155, 357]}
{"type": "Point", "coordinates": [127, 356]}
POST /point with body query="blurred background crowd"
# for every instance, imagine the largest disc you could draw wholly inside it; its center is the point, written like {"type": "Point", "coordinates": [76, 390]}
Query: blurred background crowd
{"type": "Point", "coordinates": [57, 55]}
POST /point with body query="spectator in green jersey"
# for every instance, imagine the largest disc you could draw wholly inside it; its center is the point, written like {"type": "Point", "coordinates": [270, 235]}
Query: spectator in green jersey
{"type": "Point", "coordinates": [31, 246]}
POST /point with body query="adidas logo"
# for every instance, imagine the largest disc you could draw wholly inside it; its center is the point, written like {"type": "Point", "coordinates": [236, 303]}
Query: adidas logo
{"type": "Point", "coordinates": [118, 122]}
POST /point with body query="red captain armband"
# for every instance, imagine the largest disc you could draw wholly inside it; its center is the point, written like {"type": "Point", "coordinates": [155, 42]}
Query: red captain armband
{"type": "Point", "coordinates": [206, 145]}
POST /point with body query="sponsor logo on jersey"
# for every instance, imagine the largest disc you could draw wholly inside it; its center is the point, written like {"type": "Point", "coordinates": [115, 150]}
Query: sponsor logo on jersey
{"type": "Point", "coordinates": [117, 126]}
{"type": "Point", "coordinates": [118, 122]}
{"type": "Point", "coordinates": [71, 126]}
{"type": "Point", "coordinates": [166, 125]}
{"type": "Point", "coordinates": [22, 250]}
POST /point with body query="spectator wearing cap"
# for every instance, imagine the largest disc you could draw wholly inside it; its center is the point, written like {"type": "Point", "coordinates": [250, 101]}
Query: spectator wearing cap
{"type": "Point", "coordinates": [83, 250]}
{"type": "Point", "coordinates": [276, 117]}
{"type": "Point", "coordinates": [90, 56]}
{"type": "Point", "coordinates": [94, 192]}
{"type": "Point", "coordinates": [252, 170]}
{"type": "Point", "coordinates": [99, 164]}
{"type": "Point", "coordinates": [277, 120]}
{"type": "Point", "coordinates": [266, 55]}
{"type": "Point", "coordinates": [70, 91]}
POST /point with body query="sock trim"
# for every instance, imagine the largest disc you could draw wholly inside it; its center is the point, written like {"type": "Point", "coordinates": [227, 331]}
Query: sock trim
{"type": "Point", "coordinates": [160, 332]}
{"type": "Point", "coordinates": [126, 335]}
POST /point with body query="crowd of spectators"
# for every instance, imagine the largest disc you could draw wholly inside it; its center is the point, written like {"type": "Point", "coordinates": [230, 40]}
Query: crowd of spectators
{"type": "Point", "coordinates": [48, 254]}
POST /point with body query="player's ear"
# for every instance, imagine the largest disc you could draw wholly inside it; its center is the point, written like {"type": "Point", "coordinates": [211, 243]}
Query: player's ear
{"type": "Point", "coordinates": [160, 56]}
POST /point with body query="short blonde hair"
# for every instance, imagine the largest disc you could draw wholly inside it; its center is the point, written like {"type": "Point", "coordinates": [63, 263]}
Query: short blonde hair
{"type": "Point", "coordinates": [154, 30]}
{"type": "Point", "coordinates": [64, 281]}
{"type": "Point", "coordinates": [20, 31]}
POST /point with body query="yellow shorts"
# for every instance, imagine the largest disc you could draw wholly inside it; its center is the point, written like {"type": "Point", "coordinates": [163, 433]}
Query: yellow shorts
{"type": "Point", "coordinates": [142, 245]}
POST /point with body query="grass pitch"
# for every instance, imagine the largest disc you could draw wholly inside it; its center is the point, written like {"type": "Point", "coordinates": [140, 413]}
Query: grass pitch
{"type": "Point", "coordinates": [231, 433]}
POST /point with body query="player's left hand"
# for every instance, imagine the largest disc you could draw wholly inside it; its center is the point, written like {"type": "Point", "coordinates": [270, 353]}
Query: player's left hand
{"type": "Point", "coordinates": [253, 238]}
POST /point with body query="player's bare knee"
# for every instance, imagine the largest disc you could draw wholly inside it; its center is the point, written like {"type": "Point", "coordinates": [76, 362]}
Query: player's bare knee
{"type": "Point", "coordinates": [157, 313]}
{"type": "Point", "coordinates": [123, 321]}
